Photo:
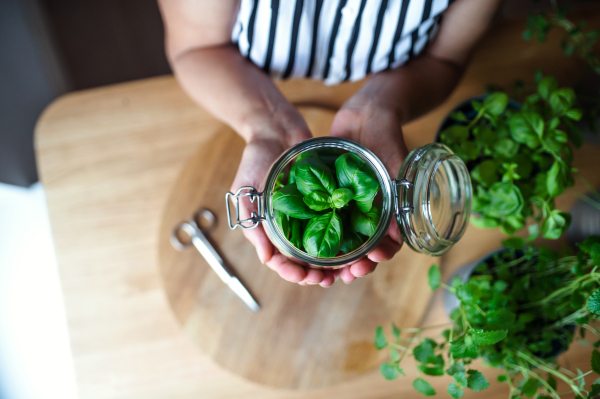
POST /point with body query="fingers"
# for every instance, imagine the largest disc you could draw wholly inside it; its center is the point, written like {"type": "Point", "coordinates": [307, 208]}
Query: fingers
{"type": "Point", "coordinates": [385, 250]}
{"type": "Point", "coordinates": [287, 269]}
{"type": "Point", "coordinates": [359, 269]}
{"type": "Point", "coordinates": [388, 246]}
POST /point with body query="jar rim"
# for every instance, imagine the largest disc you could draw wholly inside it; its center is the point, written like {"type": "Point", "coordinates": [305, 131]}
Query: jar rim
{"type": "Point", "coordinates": [344, 144]}
{"type": "Point", "coordinates": [417, 226]}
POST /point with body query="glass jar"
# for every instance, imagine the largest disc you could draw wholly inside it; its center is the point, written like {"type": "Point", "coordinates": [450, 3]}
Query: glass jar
{"type": "Point", "coordinates": [431, 200]}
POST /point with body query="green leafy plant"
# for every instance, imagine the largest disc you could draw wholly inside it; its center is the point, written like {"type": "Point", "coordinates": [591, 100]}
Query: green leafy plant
{"type": "Point", "coordinates": [576, 39]}
{"type": "Point", "coordinates": [327, 205]}
{"type": "Point", "coordinates": [519, 158]}
{"type": "Point", "coordinates": [517, 311]}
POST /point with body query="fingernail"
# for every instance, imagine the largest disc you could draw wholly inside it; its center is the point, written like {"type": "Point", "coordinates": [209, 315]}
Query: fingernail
{"type": "Point", "coordinates": [346, 282]}
{"type": "Point", "coordinates": [311, 283]}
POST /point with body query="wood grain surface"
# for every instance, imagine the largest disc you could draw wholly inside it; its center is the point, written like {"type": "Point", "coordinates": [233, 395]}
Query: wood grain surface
{"type": "Point", "coordinates": [303, 337]}
{"type": "Point", "coordinates": [110, 158]}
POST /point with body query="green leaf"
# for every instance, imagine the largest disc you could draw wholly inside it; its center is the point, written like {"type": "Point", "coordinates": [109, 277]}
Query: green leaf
{"type": "Point", "coordinates": [395, 331]}
{"type": "Point", "coordinates": [495, 103]}
{"type": "Point", "coordinates": [313, 175]}
{"type": "Point", "coordinates": [435, 277]}
{"type": "Point", "coordinates": [547, 86]}
{"type": "Point", "coordinates": [424, 352]}
{"type": "Point", "coordinates": [506, 147]}
{"type": "Point", "coordinates": [351, 242]}
{"type": "Point", "coordinates": [500, 319]}
{"type": "Point", "coordinates": [455, 368]}
{"type": "Point", "coordinates": [596, 362]}
{"type": "Point", "coordinates": [317, 200]}
{"type": "Point", "coordinates": [394, 354]}
{"type": "Point", "coordinates": [423, 387]}
{"type": "Point", "coordinates": [530, 387]}
{"type": "Point", "coordinates": [461, 378]}
{"type": "Point", "coordinates": [341, 197]}
{"type": "Point", "coordinates": [389, 371]}
{"type": "Point", "coordinates": [323, 235]}
{"type": "Point", "coordinates": [562, 99]}
{"type": "Point", "coordinates": [506, 199]}
{"type": "Point", "coordinates": [486, 173]}
{"type": "Point", "coordinates": [595, 391]}
{"type": "Point", "coordinates": [296, 232]}
{"type": "Point", "coordinates": [502, 378]}
{"type": "Point", "coordinates": [355, 174]}
{"type": "Point", "coordinates": [433, 371]}
{"type": "Point", "coordinates": [279, 182]}
{"type": "Point", "coordinates": [455, 391]}
{"type": "Point", "coordinates": [454, 134]}
{"type": "Point", "coordinates": [481, 337]}
{"type": "Point", "coordinates": [500, 286]}
{"type": "Point", "coordinates": [527, 128]}
{"type": "Point", "coordinates": [574, 114]}
{"type": "Point", "coordinates": [458, 116]}
{"type": "Point", "coordinates": [477, 381]}
{"type": "Point", "coordinates": [593, 302]}
{"type": "Point", "coordinates": [517, 243]}
{"type": "Point", "coordinates": [283, 223]}
{"type": "Point", "coordinates": [555, 224]}
{"type": "Point", "coordinates": [291, 202]}
{"type": "Point", "coordinates": [555, 180]}
{"type": "Point", "coordinates": [580, 380]}
{"type": "Point", "coordinates": [366, 223]}
{"type": "Point", "coordinates": [380, 341]}
{"type": "Point", "coordinates": [462, 350]}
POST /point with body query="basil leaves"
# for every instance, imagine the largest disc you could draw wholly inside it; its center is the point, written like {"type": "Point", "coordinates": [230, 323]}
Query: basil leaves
{"type": "Point", "coordinates": [327, 205]}
{"type": "Point", "coordinates": [520, 156]}
{"type": "Point", "coordinates": [354, 173]}
{"type": "Point", "coordinates": [323, 235]}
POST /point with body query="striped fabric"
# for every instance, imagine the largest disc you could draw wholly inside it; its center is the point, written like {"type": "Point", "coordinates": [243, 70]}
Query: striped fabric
{"type": "Point", "coordinates": [334, 40]}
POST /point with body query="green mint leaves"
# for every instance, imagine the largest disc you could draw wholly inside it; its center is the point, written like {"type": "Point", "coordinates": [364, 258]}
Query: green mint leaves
{"type": "Point", "coordinates": [423, 387]}
{"type": "Point", "coordinates": [327, 204]}
{"type": "Point", "coordinates": [518, 310]}
{"type": "Point", "coordinates": [435, 277]}
{"type": "Point", "coordinates": [481, 337]}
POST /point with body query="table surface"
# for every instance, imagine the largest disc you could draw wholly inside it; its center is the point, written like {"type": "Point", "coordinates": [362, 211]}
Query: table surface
{"type": "Point", "coordinates": [109, 158]}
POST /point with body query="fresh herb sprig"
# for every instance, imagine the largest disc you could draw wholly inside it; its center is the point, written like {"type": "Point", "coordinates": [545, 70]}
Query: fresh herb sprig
{"type": "Point", "coordinates": [520, 159]}
{"type": "Point", "coordinates": [327, 205]}
{"type": "Point", "coordinates": [517, 312]}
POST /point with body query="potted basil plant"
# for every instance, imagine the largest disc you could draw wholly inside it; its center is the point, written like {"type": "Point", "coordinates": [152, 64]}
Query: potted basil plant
{"type": "Point", "coordinates": [518, 310]}
{"type": "Point", "coordinates": [519, 157]}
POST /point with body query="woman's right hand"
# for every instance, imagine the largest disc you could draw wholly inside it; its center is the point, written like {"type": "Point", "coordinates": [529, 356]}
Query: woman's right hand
{"type": "Point", "coordinates": [267, 140]}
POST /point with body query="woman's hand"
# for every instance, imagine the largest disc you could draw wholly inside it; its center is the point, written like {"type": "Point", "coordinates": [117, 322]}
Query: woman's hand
{"type": "Point", "coordinates": [268, 140]}
{"type": "Point", "coordinates": [377, 127]}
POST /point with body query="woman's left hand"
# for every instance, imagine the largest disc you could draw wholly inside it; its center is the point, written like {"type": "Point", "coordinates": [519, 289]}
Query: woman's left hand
{"type": "Point", "coordinates": [378, 128]}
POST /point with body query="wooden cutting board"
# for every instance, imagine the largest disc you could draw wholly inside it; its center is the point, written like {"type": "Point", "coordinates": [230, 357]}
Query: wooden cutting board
{"type": "Point", "coordinates": [303, 337]}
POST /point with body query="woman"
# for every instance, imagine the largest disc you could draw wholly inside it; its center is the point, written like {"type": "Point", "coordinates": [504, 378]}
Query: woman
{"type": "Point", "coordinates": [224, 54]}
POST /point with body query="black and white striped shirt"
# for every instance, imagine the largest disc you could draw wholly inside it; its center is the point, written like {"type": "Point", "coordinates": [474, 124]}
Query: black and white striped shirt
{"type": "Point", "coordinates": [334, 40]}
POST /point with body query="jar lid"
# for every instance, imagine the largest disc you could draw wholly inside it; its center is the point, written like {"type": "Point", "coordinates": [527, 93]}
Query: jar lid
{"type": "Point", "coordinates": [434, 199]}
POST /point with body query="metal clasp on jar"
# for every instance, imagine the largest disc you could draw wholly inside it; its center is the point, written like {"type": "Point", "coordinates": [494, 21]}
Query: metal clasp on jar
{"type": "Point", "coordinates": [255, 217]}
{"type": "Point", "coordinates": [397, 185]}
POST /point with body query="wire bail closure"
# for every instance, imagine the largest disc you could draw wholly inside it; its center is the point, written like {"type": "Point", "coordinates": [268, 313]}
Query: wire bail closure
{"type": "Point", "coordinates": [255, 217]}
